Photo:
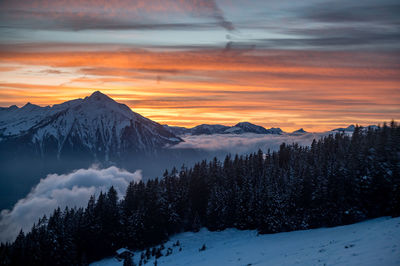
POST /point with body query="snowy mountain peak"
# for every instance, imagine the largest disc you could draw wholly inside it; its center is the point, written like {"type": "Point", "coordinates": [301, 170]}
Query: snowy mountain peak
{"type": "Point", "coordinates": [244, 124]}
{"type": "Point", "coordinates": [95, 125]}
{"type": "Point", "coordinates": [209, 129]}
{"type": "Point", "coordinates": [347, 129]}
{"type": "Point", "coordinates": [351, 128]}
{"type": "Point", "coordinates": [100, 100]}
{"type": "Point", "coordinates": [249, 127]}
{"type": "Point", "coordinates": [30, 106]}
{"type": "Point", "coordinates": [11, 108]}
{"type": "Point", "coordinates": [275, 130]}
{"type": "Point", "coordinates": [98, 96]}
{"type": "Point", "coordinates": [299, 131]}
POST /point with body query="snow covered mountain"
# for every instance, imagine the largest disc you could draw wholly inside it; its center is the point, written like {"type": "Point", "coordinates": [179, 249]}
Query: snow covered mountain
{"type": "Point", "coordinates": [343, 129]}
{"type": "Point", "coordinates": [96, 126]}
{"type": "Point", "coordinates": [351, 128]}
{"type": "Point", "coordinates": [246, 127]}
{"type": "Point", "coordinates": [299, 131]}
{"type": "Point", "coordinates": [239, 128]}
{"type": "Point", "coordinates": [206, 129]}
{"type": "Point", "coordinates": [177, 130]}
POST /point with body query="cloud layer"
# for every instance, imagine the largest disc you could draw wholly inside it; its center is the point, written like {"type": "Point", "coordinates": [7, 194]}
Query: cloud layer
{"type": "Point", "coordinates": [54, 191]}
{"type": "Point", "coordinates": [288, 89]}
{"type": "Point", "coordinates": [118, 15]}
{"type": "Point", "coordinates": [244, 143]}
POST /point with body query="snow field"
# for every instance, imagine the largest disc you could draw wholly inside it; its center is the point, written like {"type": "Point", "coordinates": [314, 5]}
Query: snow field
{"type": "Point", "coordinates": [373, 242]}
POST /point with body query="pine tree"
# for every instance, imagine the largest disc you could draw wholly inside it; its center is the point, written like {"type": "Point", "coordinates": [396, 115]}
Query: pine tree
{"type": "Point", "coordinates": [128, 261]}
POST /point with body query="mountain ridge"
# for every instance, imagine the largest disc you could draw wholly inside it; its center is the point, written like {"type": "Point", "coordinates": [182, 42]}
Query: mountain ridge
{"type": "Point", "coordinates": [209, 129]}
{"type": "Point", "coordinates": [96, 124]}
{"type": "Point", "coordinates": [30, 114]}
{"type": "Point", "coordinates": [247, 127]}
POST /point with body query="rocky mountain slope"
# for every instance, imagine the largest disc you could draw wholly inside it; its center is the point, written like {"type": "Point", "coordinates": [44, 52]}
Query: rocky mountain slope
{"type": "Point", "coordinates": [96, 126]}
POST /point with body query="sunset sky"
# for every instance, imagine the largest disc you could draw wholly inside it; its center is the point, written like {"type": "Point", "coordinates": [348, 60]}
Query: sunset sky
{"type": "Point", "coordinates": [289, 64]}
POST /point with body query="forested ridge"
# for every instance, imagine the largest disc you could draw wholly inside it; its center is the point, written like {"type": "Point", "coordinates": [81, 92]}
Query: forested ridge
{"type": "Point", "coordinates": [339, 179]}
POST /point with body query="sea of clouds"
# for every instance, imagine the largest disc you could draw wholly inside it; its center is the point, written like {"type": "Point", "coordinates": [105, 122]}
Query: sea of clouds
{"type": "Point", "coordinates": [245, 143]}
{"type": "Point", "coordinates": [73, 189]}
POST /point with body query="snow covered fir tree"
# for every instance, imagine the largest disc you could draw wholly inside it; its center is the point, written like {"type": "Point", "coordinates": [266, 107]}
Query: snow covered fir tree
{"type": "Point", "coordinates": [337, 180]}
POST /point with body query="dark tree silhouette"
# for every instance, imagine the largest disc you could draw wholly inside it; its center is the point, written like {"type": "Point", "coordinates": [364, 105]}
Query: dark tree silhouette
{"type": "Point", "coordinates": [337, 180]}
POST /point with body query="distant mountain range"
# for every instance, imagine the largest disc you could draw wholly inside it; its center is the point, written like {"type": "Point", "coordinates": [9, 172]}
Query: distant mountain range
{"type": "Point", "coordinates": [351, 128]}
{"type": "Point", "coordinates": [99, 128]}
{"type": "Point", "coordinates": [245, 127]}
{"type": "Point", "coordinates": [299, 131]}
{"type": "Point", "coordinates": [239, 128]}
{"type": "Point", "coordinates": [348, 129]}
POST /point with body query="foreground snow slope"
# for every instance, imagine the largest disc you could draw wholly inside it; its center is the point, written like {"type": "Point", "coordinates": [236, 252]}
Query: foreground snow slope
{"type": "Point", "coordinates": [373, 242]}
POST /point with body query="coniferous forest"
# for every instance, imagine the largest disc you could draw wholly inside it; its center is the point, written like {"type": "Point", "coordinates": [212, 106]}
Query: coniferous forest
{"type": "Point", "coordinates": [337, 180]}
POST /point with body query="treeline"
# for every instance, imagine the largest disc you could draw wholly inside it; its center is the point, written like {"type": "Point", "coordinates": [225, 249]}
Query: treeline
{"type": "Point", "coordinates": [339, 179]}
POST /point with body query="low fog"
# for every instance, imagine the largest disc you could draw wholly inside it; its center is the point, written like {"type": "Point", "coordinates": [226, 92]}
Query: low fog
{"type": "Point", "coordinates": [75, 188]}
{"type": "Point", "coordinates": [244, 143]}
{"type": "Point", "coordinates": [54, 191]}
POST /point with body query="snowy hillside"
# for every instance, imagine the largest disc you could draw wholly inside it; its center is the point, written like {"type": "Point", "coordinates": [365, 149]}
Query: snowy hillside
{"type": "Point", "coordinates": [373, 242]}
{"type": "Point", "coordinates": [95, 125]}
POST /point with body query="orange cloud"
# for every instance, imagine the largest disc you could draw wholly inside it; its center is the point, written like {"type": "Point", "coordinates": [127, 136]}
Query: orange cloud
{"type": "Point", "coordinates": [289, 89]}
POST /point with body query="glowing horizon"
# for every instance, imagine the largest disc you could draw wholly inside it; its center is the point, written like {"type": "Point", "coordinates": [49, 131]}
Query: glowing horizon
{"type": "Point", "coordinates": [278, 64]}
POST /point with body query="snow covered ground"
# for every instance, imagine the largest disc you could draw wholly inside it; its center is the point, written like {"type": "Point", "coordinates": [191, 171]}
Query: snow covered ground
{"type": "Point", "coordinates": [373, 242]}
